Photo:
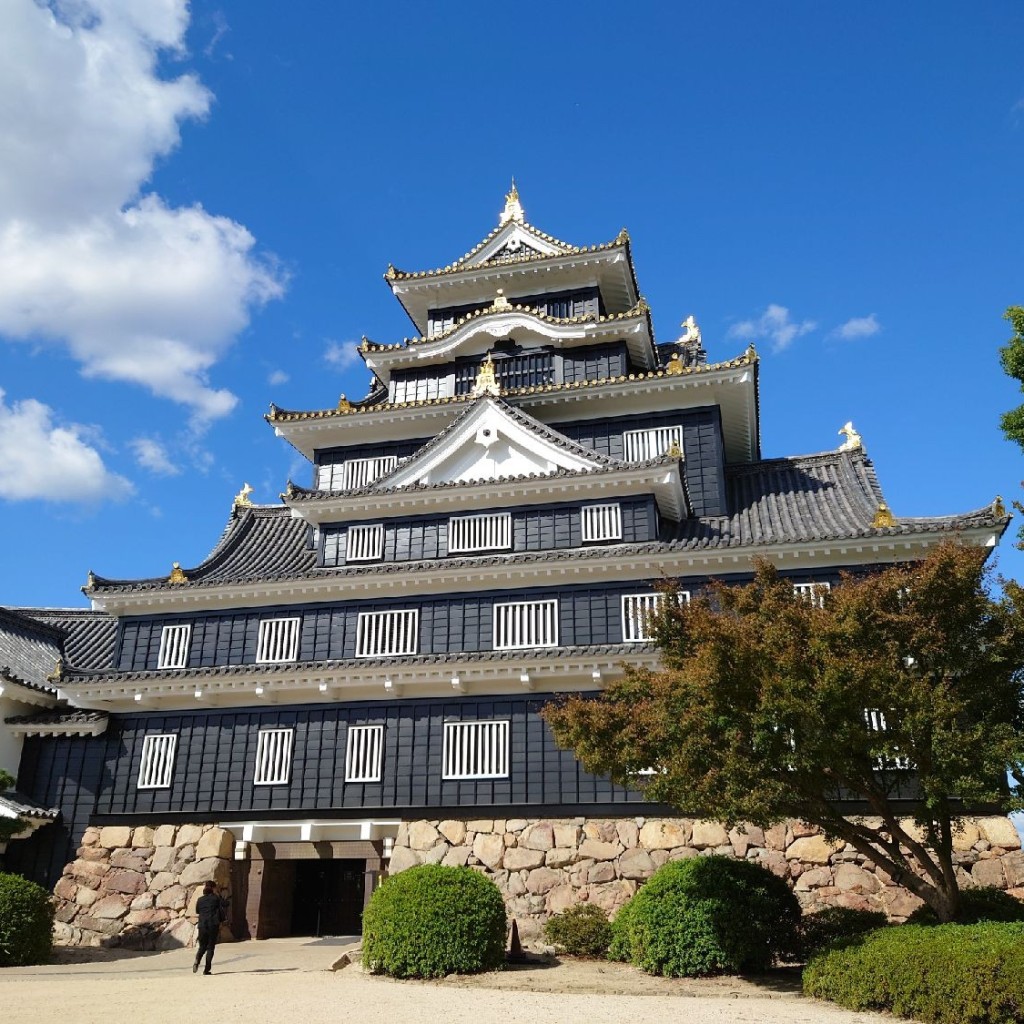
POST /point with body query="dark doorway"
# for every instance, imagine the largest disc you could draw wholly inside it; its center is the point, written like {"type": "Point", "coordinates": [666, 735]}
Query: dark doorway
{"type": "Point", "coordinates": [328, 897]}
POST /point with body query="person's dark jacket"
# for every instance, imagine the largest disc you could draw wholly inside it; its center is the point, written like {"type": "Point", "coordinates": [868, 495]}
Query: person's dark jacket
{"type": "Point", "coordinates": [211, 910]}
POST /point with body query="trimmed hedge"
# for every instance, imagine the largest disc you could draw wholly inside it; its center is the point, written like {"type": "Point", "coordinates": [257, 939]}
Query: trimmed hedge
{"type": "Point", "coordinates": [976, 905]}
{"type": "Point", "coordinates": [708, 915]}
{"type": "Point", "coordinates": [826, 927]}
{"type": "Point", "coordinates": [582, 930]}
{"type": "Point", "coordinates": [26, 922]}
{"type": "Point", "coordinates": [946, 974]}
{"type": "Point", "coordinates": [431, 920]}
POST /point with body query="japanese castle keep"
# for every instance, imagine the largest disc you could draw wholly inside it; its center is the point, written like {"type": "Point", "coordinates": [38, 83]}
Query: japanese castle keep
{"type": "Point", "coordinates": [351, 682]}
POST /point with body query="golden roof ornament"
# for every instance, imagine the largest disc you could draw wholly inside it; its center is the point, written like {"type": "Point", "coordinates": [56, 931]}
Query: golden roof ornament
{"type": "Point", "coordinates": [486, 382]}
{"type": "Point", "coordinates": [344, 405]}
{"type": "Point", "coordinates": [622, 237]}
{"type": "Point", "coordinates": [854, 442]}
{"type": "Point", "coordinates": [57, 675]}
{"type": "Point", "coordinates": [675, 364]}
{"type": "Point", "coordinates": [391, 272]}
{"type": "Point", "coordinates": [998, 508]}
{"type": "Point", "coordinates": [500, 302]}
{"type": "Point", "coordinates": [751, 353]}
{"type": "Point", "coordinates": [883, 517]}
{"type": "Point", "coordinates": [513, 208]}
{"type": "Point", "coordinates": [242, 497]}
{"type": "Point", "coordinates": [177, 574]}
{"type": "Point", "coordinates": [691, 332]}
{"type": "Point", "coordinates": [674, 451]}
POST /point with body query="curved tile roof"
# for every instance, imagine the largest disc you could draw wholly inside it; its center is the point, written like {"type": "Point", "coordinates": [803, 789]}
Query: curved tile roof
{"type": "Point", "coordinates": [29, 649]}
{"type": "Point", "coordinates": [89, 636]}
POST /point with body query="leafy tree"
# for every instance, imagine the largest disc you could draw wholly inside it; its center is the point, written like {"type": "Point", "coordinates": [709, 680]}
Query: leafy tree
{"type": "Point", "coordinates": [8, 826]}
{"type": "Point", "coordinates": [1011, 356]}
{"type": "Point", "coordinates": [902, 684]}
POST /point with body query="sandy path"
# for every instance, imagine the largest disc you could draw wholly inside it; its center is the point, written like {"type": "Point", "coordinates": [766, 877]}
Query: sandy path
{"type": "Point", "coordinates": [280, 982]}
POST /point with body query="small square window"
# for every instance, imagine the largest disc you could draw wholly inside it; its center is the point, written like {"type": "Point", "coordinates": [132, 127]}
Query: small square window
{"type": "Point", "coordinates": [273, 757]}
{"type": "Point", "coordinates": [364, 749]}
{"type": "Point", "coordinates": [157, 765]}
{"type": "Point", "coordinates": [278, 640]}
{"type": "Point", "coordinates": [601, 522]}
{"type": "Point", "coordinates": [174, 642]}
{"type": "Point", "coordinates": [365, 543]}
{"type": "Point", "coordinates": [475, 750]}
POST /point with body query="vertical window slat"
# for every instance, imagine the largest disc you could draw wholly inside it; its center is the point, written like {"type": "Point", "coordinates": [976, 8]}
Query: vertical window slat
{"type": "Point", "coordinates": [273, 757]}
{"type": "Point", "coordinates": [475, 750]}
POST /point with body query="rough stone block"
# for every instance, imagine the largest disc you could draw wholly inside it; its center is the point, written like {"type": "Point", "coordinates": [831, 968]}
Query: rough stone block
{"type": "Point", "coordinates": [989, 872]}
{"type": "Point", "coordinates": [173, 898]}
{"type": "Point", "coordinates": [164, 835]}
{"type": "Point", "coordinates": [149, 916]}
{"type": "Point", "coordinates": [636, 863]}
{"type": "Point", "coordinates": [542, 880]}
{"type": "Point", "coordinates": [600, 850]}
{"type": "Point", "coordinates": [602, 872]}
{"type": "Point", "coordinates": [212, 869]}
{"type": "Point", "coordinates": [123, 880]}
{"type": "Point", "coordinates": [850, 878]}
{"type": "Point", "coordinates": [664, 835]}
{"type": "Point", "coordinates": [142, 835]}
{"type": "Point", "coordinates": [481, 825]}
{"type": "Point", "coordinates": [518, 859]}
{"type": "Point", "coordinates": [436, 855]}
{"type": "Point", "coordinates": [628, 833]}
{"type": "Point", "coordinates": [1000, 832]}
{"type": "Point", "coordinates": [540, 837]}
{"type": "Point", "coordinates": [161, 880]}
{"type": "Point", "coordinates": [814, 879]}
{"type": "Point", "coordinates": [216, 842]}
{"type": "Point", "coordinates": [489, 849]}
{"type": "Point", "coordinates": [86, 897]}
{"type": "Point", "coordinates": [96, 924]}
{"type": "Point", "coordinates": [559, 857]}
{"type": "Point", "coordinates": [456, 857]}
{"type": "Point", "coordinates": [516, 886]}
{"type": "Point", "coordinates": [188, 835]}
{"type": "Point", "coordinates": [401, 859]}
{"type": "Point", "coordinates": [143, 901]}
{"type": "Point", "coordinates": [775, 837]}
{"type": "Point", "coordinates": [124, 858]}
{"type": "Point", "coordinates": [66, 889]}
{"type": "Point", "coordinates": [176, 935]}
{"type": "Point", "coordinates": [110, 908]}
{"type": "Point", "coordinates": [708, 833]}
{"type": "Point", "coordinates": [560, 899]}
{"type": "Point", "coordinates": [94, 853]}
{"type": "Point", "coordinates": [567, 835]}
{"type": "Point", "coordinates": [66, 911]}
{"type": "Point", "coordinates": [1013, 866]}
{"type": "Point", "coordinates": [163, 858]}
{"type": "Point", "coordinates": [516, 824]}
{"type": "Point", "coordinates": [113, 836]}
{"type": "Point", "coordinates": [454, 831]}
{"type": "Point", "coordinates": [812, 849]}
{"type": "Point", "coordinates": [965, 837]}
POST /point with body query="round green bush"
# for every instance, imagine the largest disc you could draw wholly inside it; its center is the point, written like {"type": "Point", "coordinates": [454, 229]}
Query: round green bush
{"type": "Point", "coordinates": [26, 922]}
{"type": "Point", "coordinates": [708, 915]}
{"type": "Point", "coordinates": [976, 905]}
{"type": "Point", "coordinates": [619, 947]}
{"type": "Point", "coordinates": [950, 974]}
{"type": "Point", "coordinates": [820, 930]}
{"type": "Point", "coordinates": [431, 920]}
{"type": "Point", "coordinates": [582, 930]}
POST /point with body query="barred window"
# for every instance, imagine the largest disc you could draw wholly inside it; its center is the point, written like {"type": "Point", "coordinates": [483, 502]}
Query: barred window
{"type": "Point", "coordinates": [353, 473]}
{"type": "Point", "coordinates": [273, 757]}
{"type": "Point", "coordinates": [525, 624]}
{"type": "Point", "coordinates": [475, 750]}
{"type": "Point", "coordinates": [157, 761]}
{"type": "Point", "coordinates": [278, 640]}
{"type": "Point", "coordinates": [174, 642]}
{"type": "Point", "coordinates": [364, 748]}
{"type": "Point", "coordinates": [639, 612]}
{"type": "Point", "coordinates": [489, 532]}
{"type": "Point", "coordinates": [639, 445]}
{"type": "Point", "coordinates": [365, 543]}
{"type": "Point", "coordinates": [874, 719]}
{"type": "Point", "coordinates": [812, 593]}
{"type": "Point", "coordinates": [380, 633]}
{"type": "Point", "coordinates": [601, 522]}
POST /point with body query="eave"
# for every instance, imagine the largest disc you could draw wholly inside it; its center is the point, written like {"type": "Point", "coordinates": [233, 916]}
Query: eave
{"type": "Point", "coordinates": [58, 729]}
{"type": "Point", "coordinates": [732, 385]}
{"type": "Point", "coordinates": [613, 564]}
{"type": "Point", "coordinates": [15, 689]}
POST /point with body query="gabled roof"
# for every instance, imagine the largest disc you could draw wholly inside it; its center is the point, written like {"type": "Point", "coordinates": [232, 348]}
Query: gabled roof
{"type": "Point", "coordinates": [29, 650]}
{"type": "Point", "coordinates": [88, 635]}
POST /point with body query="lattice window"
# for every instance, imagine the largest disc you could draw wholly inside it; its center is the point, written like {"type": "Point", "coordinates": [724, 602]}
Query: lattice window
{"type": "Point", "coordinates": [364, 749]}
{"type": "Point", "coordinates": [639, 612]}
{"type": "Point", "coordinates": [601, 522]}
{"type": "Point", "coordinates": [387, 633]}
{"type": "Point", "coordinates": [419, 389]}
{"type": "Point", "coordinates": [525, 624]}
{"type": "Point", "coordinates": [812, 593]}
{"type": "Point", "coordinates": [157, 761]}
{"type": "Point", "coordinates": [273, 757]}
{"type": "Point", "coordinates": [475, 750]}
{"type": "Point", "coordinates": [278, 640]}
{"type": "Point", "coordinates": [639, 445]}
{"type": "Point", "coordinates": [360, 472]}
{"type": "Point", "coordinates": [489, 532]}
{"type": "Point", "coordinates": [365, 543]}
{"type": "Point", "coordinates": [875, 721]}
{"type": "Point", "coordinates": [174, 643]}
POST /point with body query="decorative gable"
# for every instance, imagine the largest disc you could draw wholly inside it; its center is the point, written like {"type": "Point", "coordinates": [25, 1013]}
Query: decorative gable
{"type": "Point", "coordinates": [492, 443]}
{"type": "Point", "coordinates": [513, 242]}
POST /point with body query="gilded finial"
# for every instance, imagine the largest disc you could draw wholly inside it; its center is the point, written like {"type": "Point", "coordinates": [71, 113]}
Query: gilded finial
{"type": "Point", "coordinates": [513, 207]}
{"type": "Point", "coordinates": [242, 497]}
{"type": "Point", "coordinates": [344, 405]}
{"type": "Point", "coordinates": [641, 305]}
{"type": "Point", "coordinates": [177, 574]}
{"type": "Point", "coordinates": [751, 353]}
{"type": "Point", "coordinates": [998, 508]}
{"type": "Point", "coordinates": [391, 273]}
{"type": "Point", "coordinates": [675, 364]}
{"type": "Point", "coordinates": [854, 442]}
{"type": "Point", "coordinates": [57, 675]}
{"type": "Point", "coordinates": [90, 580]}
{"type": "Point", "coordinates": [364, 345]}
{"type": "Point", "coordinates": [500, 302]}
{"type": "Point", "coordinates": [486, 382]}
{"type": "Point", "coordinates": [272, 415]}
{"type": "Point", "coordinates": [883, 517]}
{"type": "Point", "coordinates": [674, 451]}
{"type": "Point", "coordinates": [622, 237]}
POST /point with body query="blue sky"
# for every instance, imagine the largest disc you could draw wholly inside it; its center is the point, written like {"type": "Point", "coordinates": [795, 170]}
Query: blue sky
{"type": "Point", "coordinates": [197, 206]}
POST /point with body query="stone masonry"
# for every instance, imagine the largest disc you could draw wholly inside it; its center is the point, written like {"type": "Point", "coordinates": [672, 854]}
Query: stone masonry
{"type": "Point", "coordinates": [137, 887]}
{"type": "Point", "coordinates": [545, 867]}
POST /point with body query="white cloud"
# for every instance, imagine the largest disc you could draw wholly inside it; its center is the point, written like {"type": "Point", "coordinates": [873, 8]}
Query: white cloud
{"type": "Point", "coordinates": [40, 459]}
{"type": "Point", "coordinates": [278, 377]}
{"type": "Point", "coordinates": [775, 325]}
{"type": "Point", "coordinates": [137, 291]}
{"type": "Point", "coordinates": [858, 327]}
{"type": "Point", "coordinates": [342, 354]}
{"type": "Point", "coordinates": [152, 455]}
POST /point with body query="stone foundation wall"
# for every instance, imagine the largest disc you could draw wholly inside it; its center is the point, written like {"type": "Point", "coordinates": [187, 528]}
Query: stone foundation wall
{"type": "Point", "coordinates": [137, 887]}
{"type": "Point", "coordinates": [545, 867]}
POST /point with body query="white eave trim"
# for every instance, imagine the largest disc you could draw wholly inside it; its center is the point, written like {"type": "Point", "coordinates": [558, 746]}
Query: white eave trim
{"type": "Point", "coordinates": [58, 728]}
{"type": "Point", "coordinates": [25, 694]}
{"type": "Point", "coordinates": [617, 566]}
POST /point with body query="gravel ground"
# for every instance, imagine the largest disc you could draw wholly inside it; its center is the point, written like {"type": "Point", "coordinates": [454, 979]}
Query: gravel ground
{"type": "Point", "coordinates": [289, 980]}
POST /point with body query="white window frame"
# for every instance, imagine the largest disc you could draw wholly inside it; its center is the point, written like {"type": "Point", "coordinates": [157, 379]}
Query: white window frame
{"type": "Point", "coordinates": [175, 641]}
{"type": "Point", "coordinates": [157, 766]}
{"type": "Point", "coordinates": [364, 542]}
{"type": "Point", "coordinates": [273, 757]}
{"type": "Point", "coordinates": [376, 630]}
{"type": "Point", "coordinates": [652, 443]}
{"type": "Point", "coordinates": [812, 593]}
{"type": "Point", "coordinates": [601, 522]}
{"type": "Point", "coordinates": [490, 531]}
{"type": "Point", "coordinates": [358, 473]}
{"type": "Point", "coordinates": [278, 640]}
{"type": "Point", "coordinates": [633, 613]}
{"type": "Point", "coordinates": [364, 753]}
{"type": "Point", "coordinates": [424, 389]}
{"type": "Point", "coordinates": [517, 624]}
{"type": "Point", "coordinates": [874, 719]}
{"type": "Point", "coordinates": [475, 750]}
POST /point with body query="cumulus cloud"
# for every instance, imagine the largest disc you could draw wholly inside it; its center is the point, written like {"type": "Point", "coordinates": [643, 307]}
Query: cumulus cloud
{"type": "Point", "coordinates": [41, 459]}
{"type": "Point", "coordinates": [858, 327]}
{"type": "Point", "coordinates": [136, 290]}
{"type": "Point", "coordinates": [277, 377]}
{"type": "Point", "coordinates": [152, 455]}
{"type": "Point", "coordinates": [342, 354]}
{"type": "Point", "coordinates": [773, 325]}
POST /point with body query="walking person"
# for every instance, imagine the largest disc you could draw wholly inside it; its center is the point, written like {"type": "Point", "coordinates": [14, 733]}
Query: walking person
{"type": "Point", "coordinates": [212, 911]}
